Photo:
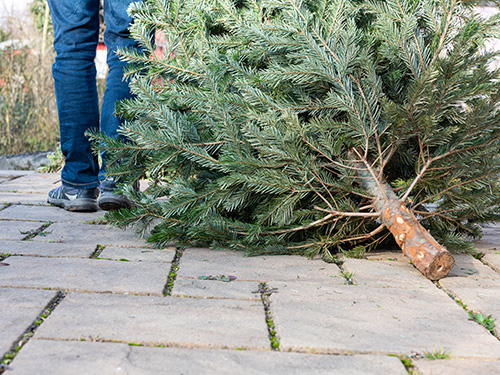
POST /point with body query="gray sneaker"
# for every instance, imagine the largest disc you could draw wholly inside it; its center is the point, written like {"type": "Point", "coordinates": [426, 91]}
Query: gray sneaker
{"type": "Point", "coordinates": [72, 199]}
{"type": "Point", "coordinates": [111, 198]}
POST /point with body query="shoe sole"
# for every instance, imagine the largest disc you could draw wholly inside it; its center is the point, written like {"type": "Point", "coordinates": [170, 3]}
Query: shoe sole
{"type": "Point", "coordinates": [78, 205]}
{"type": "Point", "coordinates": [112, 203]}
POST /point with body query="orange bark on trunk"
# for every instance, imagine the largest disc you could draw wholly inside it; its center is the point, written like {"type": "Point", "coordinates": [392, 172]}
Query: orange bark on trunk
{"type": "Point", "coordinates": [432, 259]}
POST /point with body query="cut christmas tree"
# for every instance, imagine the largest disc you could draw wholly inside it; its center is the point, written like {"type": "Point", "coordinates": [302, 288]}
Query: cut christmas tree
{"type": "Point", "coordinates": [313, 127]}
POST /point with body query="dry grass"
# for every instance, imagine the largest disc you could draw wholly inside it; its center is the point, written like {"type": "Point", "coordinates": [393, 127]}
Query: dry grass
{"type": "Point", "coordinates": [28, 114]}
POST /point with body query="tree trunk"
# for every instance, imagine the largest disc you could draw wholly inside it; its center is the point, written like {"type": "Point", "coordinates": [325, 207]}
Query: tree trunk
{"type": "Point", "coordinates": [45, 29]}
{"type": "Point", "coordinates": [432, 259]}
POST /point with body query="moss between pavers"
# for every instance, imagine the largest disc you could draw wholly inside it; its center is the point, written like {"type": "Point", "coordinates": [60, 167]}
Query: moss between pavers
{"type": "Point", "coordinates": [169, 286]}
{"type": "Point", "coordinates": [12, 353]}
{"type": "Point", "coordinates": [265, 294]}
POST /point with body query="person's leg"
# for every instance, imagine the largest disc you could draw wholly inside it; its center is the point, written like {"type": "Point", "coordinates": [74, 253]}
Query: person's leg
{"type": "Point", "coordinates": [76, 32]}
{"type": "Point", "coordinates": [76, 28]}
{"type": "Point", "coordinates": [116, 36]}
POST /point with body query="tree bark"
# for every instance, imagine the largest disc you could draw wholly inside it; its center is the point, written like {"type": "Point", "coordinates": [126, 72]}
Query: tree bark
{"type": "Point", "coordinates": [432, 259]}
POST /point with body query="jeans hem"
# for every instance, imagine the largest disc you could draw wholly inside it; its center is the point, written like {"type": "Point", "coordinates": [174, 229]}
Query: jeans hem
{"type": "Point", "coordinates": [89, 185]}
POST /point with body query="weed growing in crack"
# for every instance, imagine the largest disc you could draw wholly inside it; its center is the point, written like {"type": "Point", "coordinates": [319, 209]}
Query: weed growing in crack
{"type": "Point", "coordinates": [6, 205]}
{"type": "Point", "coordinates": [463, 305]}
{"type": "Point", "coordinates": [275, 344]}
{"type": "Point", "coordinates": [348, 276]}
{"type": "Point", "coordinates": [171, 279]}
{"type": "Point", "coordinates": [30, 234]}
{"type": "Point", "coordinates": [486, 321]}
{"type": "Point", "coordinates": [172, 276]}
{"type": "Point", "coordinates": [478, 255]}
{"type": "Point", "coordinates": [98, 250]}
{"type": "Point", "coordinates": [11, 354]}
{"type": "Point", "coordinates": [440, 353]}
{"type": "Point", "coordinates": [406, 361]}
{"type": "Point", "coordinates": [98, 221]}
{"type": "Point", "coordinates": [265, 294]}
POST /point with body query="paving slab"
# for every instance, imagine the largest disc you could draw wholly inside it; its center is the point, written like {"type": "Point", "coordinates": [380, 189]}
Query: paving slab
{"type": "Point", "coordinates": [19, 308]}
{"type": "Point", "coordinates": [10, 173]}
{"type": "Point", "coordinates": [16, 230]}
{"type": "Point", "coordinates": [339, 319]}
{"type": "Point", "coordinates": [490, 239]}
{"type": "Point", "coordinates": [32, 183]}
{"type": "Point", "coordinates": [138, 254]}
{"type": "Point", "coordinates": [97, 358]}
{"type": "Point", "coordinates": [492, 259]}
{"type": "Point", "coordinates": [476, 285]}
{"type": "Point", "coordinates": [91, 234]}
{"type": "Point", "coordinates": [90, 275]}
{"type": "Point", "coordinates": [468, 267]}
{"type": "Point", "coordinates": [186, 322]}
{"type": "Point", "coordinates": [47, 249]}
{"type": "Point", "coordinates": [190, 287]}
{"type": "Point", "coordinates": [491, 228]}
{"type": "Point", "coordinates": [456, 367]}
{"type": "Point", "coordinates": [24, 198]}
{"type": "Point", "coordinates": [488, 243]}
{"type": "Point", "coordinates": [388, 255]}
{"type": "Point", "coordinates": [386, 274]}
{"type": "Point", "coordinates": [199, 261]}
{"type": "Point", "coordinates": [49, 213]}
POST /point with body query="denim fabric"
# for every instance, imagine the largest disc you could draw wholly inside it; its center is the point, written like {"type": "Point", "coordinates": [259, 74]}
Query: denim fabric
{"type": "Point", "coordinates": [76, 32]}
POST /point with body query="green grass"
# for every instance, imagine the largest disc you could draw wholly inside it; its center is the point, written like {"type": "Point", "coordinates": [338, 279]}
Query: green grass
{"type": "Point", "coordinates": [406, 361]}
{"type": "Point", "coordinates": [440, 353]}
{"type": "Point", "coordinates": [133, 344]}
{"type": "Point", "coordinates": [486, 321]}
{"type": "Point", "coordinates": [348, 276]}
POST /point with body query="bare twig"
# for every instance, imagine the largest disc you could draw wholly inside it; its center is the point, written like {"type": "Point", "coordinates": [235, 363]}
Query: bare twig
{"type": "Point", "coordinates": [346, 214]}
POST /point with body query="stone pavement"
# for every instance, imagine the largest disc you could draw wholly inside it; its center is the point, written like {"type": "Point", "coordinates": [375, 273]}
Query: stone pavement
{"type": "Point", "coordinates": [77, 297]}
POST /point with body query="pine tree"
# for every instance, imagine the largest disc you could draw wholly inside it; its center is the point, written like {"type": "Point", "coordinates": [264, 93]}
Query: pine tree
{"type": "Point", "coordinates": [284, 126]}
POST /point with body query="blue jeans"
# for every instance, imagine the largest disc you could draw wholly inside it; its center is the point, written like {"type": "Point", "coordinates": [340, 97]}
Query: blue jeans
{"type": "Point", "coordinates": [76, 32]}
